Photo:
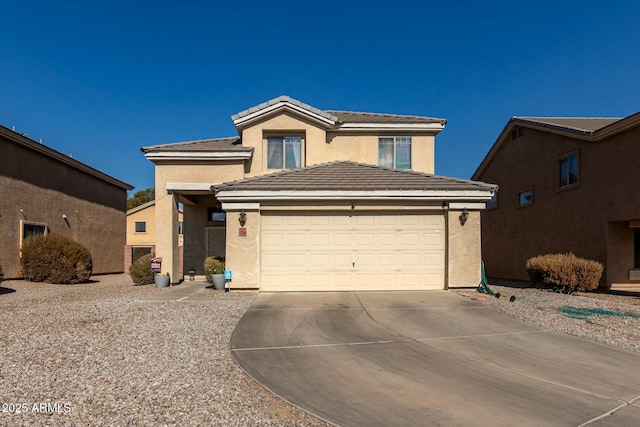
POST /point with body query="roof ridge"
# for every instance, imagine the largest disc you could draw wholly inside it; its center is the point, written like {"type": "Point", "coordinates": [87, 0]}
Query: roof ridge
{"type": "Point", "coordinates": [195, 141]}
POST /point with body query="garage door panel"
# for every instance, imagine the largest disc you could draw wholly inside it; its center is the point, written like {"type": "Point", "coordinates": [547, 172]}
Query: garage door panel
{"type": "Point", "coordinates": [318, 252]}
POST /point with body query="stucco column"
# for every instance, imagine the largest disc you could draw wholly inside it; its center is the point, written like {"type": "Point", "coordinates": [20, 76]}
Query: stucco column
{"type": "Point", "coordinates": [243, 244]}
{"type": "Point", "coordinates": [464, 249]}
{"type": "Point", "coordinates": [167, 233]}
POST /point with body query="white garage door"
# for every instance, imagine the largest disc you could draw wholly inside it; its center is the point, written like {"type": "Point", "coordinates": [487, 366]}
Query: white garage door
{"type": "Point", "coordinates": [306, 252]}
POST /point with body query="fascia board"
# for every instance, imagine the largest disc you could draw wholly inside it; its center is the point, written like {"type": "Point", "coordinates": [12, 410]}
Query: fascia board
{"type": "Point", "coordinates": [205, 155]}
{"type": "Point", "coordinates": [188, 186]}
{"type": "Point", "coordinates": [244, 120]}
{"type": "Point", "coordinates": [467, 196]}
{"type": "Point", "coordinates": [433, 127]}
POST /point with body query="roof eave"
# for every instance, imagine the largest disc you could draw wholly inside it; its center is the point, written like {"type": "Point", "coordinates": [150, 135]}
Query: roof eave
{"type": "Point", "coordinates": [51, 153]}
{"type": "Point", "coordinates": [199, 155]}
{"type": "Point", "coordinates": [247, 117]}
{"type": "Point", "coordinates": [435, 127]}
{"type": "Point", "coordinates": [480, 195]}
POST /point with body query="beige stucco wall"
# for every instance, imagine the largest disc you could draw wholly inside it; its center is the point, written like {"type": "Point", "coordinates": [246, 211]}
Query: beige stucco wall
{"type": "Point", "coordinates": [148, 238]}
{"type": "Point", "coordinates": [464, 251]}
{"type": "Point", "coordinates": [45, 190]}
{"type": "Point", "coordinates": [321, 146]}
{"type": "Point", "coordinates": [243, 252]}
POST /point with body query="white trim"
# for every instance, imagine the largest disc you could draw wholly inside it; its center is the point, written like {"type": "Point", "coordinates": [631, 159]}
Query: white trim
{"type": "Point", "coordinates": [204, 155]}
{"type": "Point", "coordinates": [392, 126]}
{"type": "Point", "coordinates": [240, 121]}
{"type": "Point", "coordinates": [189, 186]}
{"type": "Point", "coordinates": [425, 195]}
{"type": "Point", "coordinates": [239, 206]}
{"type": "Point", "coordinates": [471, 206]}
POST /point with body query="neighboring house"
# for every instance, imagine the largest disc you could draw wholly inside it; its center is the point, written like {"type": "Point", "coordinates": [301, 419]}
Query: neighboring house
{"type": "Point", "coordinates": [45, 191]}
{"type": "Point", "coordinates": [141, 232]}
{"type": "Point", "coordinates": [312, 200]}
{"type": "Point", "coordinates": [566, 184]}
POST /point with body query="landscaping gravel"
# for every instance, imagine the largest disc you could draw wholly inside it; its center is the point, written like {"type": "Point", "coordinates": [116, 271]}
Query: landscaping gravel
{"type": "Point", "coordinates": [603, 317]}
{"type": "Point", "coordinates": [96, 354]}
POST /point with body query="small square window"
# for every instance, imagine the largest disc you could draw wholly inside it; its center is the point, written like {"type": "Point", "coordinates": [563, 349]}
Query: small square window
{"type": "Point", "coordinates": [141, 227]}
{"type": "Point", "coordinates": [525, 198]}
{"type": "Point", "coordinates": [568, 171]}
{"type": "Point", "coordinates": [216, 215]}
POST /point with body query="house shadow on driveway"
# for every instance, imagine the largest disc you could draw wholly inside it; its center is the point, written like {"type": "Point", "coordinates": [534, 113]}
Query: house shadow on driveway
{"type": "Point", "coordinates": [6, 290]}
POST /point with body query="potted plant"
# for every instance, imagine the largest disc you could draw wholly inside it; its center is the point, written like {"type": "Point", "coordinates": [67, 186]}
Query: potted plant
{"type": "Point", "coordinates": [162, 280]}
{"type": "Point", "coordinates": [214, 267]}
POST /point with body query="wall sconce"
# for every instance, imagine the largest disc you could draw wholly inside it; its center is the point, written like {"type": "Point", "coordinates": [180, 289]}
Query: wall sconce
{"type": "Point", "coordinates": [242, 218]}
{"type": "Point", "coordinates": [463, 216]}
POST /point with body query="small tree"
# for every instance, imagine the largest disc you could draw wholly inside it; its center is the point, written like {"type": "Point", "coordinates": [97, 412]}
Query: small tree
{"type": "Point", "coordinates": [141, 197]}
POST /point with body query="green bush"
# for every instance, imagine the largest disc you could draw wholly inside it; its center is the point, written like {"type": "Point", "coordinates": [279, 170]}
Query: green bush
{"type": "Point", "coordinates": [566, 272]}
{"type": "Point", "coordinates": [213, 265]}
{"type": "Point", "coordinates": [140, 270]}
{"type": "Point", "coordinates": [55, 258]}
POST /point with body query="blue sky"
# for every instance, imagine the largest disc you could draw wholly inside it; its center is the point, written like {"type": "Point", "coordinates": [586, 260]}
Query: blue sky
{"type": "Point", "coordinates": [99, 80]}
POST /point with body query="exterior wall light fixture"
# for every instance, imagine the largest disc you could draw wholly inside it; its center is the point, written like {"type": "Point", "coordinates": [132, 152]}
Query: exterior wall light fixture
{"type": "Point", "coordinates": [464, 216]}
{"type": "Point", "coordinates": [242, 218]}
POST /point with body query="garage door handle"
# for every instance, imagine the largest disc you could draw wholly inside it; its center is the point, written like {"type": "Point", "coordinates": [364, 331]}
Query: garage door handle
{"type": "Point", "coordinates": [353, 264]}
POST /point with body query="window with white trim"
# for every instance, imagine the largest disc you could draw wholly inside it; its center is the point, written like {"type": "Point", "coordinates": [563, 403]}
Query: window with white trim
{"type": "Point", "coordinates": [568, 171]}
{"type": "Point", "coordinates": [141, 227]}
{"type": "Point", "coordinates": [30, 229]}
{"type": "Point", "coordinates": [284, 152]}
{"type": "Point", "coordinates": [394, 152]}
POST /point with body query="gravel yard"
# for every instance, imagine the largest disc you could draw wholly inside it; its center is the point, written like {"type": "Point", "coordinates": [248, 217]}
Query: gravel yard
{"type": "Point", "coordinates": [94, 354]}
{"type": "Point", "coordinates": [606, 318]}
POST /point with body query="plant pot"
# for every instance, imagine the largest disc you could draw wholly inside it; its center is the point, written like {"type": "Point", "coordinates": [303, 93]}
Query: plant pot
{"type": "Point", "coordinates": [161, 281]}
{"type": "Point", "coordinates": [218, 281]}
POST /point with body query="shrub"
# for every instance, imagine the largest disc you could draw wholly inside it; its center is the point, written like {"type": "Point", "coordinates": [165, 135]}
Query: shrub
{"type": "Point", "coordinates": [140, 270]}
{"type": "Point", "coordinates": [566, 272]}
{"type": "Point", "coordinates": [213, 265]}
{"type": "Point", "coordinates": [55, 258]}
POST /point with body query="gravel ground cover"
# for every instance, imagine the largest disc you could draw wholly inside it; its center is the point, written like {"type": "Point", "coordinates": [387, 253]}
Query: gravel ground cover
{"type": "Point", "coordinates": [93, 354]}
{"type": "Point", "coordinates": [603, 317]}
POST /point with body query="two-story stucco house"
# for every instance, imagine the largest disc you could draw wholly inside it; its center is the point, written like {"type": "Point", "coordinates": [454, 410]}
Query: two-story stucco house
{"type": "Point", "coordinates": [566, 185]}
{"type": "Point", "coordinates": [313, 200]}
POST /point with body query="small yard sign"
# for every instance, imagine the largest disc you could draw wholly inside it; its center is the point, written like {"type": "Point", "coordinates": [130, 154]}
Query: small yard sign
{"type": "Point", "coordinates": [156, 264]}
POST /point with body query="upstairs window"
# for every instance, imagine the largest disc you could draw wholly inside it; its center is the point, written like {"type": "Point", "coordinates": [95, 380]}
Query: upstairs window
{"type": "Point", "coordinates": [395, 152]}
{"type": "Point", "coordinates": [141, 227]}
{"type": "Point", "coordinates": [284, 152]}
{"type": "Point", "coordinates": [568, 171]}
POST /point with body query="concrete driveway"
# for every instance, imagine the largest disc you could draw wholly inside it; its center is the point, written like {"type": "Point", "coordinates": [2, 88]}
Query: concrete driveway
{"type": "Point", "coordinates": [430, 358]}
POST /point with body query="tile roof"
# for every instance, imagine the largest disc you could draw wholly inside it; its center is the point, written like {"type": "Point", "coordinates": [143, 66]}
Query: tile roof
{"type": "Point", "coordinates": [283, 98]}
{"type": "Point", "coordinates": [361, 117]}
{"type": "Point", "coordinates": [351, 176]}
{"type": "Point", "coordinates": [217, 144]}
{"type": "Point", "coordinates": [572, 124]}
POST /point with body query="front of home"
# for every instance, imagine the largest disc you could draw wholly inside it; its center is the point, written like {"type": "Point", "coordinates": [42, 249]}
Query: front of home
{"type": "Point", "coordinates": [310, 200]}
{"type": "Point", "coordinates": [566, 185]}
